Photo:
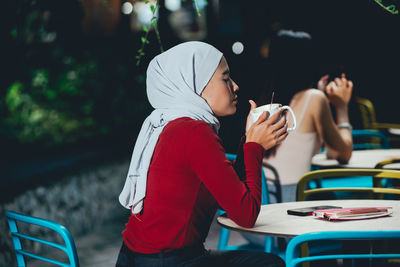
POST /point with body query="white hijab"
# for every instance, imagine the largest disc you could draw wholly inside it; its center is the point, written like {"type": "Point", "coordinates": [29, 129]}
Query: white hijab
{"type": "Point", "coordinates": [175, 80]}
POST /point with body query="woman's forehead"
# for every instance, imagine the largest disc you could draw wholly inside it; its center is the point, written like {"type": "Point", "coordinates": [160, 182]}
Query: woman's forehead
{"type": "Point", "coordinates": [223, 65]}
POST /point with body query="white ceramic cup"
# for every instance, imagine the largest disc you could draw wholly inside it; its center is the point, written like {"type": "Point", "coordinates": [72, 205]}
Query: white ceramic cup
{"type": "Point", "coordinates": [272, 109]}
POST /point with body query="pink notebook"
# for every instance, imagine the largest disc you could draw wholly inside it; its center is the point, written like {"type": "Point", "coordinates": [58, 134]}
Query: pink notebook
{"type": "Point", "coordinates": [353, 213]}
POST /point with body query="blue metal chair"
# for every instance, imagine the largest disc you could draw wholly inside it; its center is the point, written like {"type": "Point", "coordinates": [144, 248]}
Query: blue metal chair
{"type": "Point", "coordinates": [293, 249]}
{"type": "Point", "coordinates": [376, 139]}
{"type": "Point", "coordinates": [368, 139]}
{"type": "Point", "coordinates": [343, 190]}
{"type": "Point", "coordinates": [224, 234]}
{"type": "Point", "coordinates": [69, 248]}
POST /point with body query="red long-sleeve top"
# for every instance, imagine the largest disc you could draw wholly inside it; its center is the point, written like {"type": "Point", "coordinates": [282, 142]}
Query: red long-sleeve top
{"type": "Point", "coordinates": [188, 177]}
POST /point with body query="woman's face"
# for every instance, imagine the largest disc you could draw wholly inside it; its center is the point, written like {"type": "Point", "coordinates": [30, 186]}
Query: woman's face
{"type": "Point", "coordinates": [220, 92]}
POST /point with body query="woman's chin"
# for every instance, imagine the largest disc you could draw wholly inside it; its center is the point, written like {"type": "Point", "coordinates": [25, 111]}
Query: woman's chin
{"type": "Point", "coordinates": [231, 112]}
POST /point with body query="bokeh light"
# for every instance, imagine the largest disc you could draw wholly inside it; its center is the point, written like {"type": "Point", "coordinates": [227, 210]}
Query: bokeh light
{"type": "Point", "coordinates": [237, 48]}
{"type": "Point", "coordinates": [127, 8]}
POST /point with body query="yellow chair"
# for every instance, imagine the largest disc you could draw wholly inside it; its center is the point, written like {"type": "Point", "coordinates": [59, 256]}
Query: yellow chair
{"type": "Point", "coordinates": [306, 192]}
{"type": "Point", "coordinates": [369, 120]}
{"type": "Point", "coordinates": [385, 162]}
{"type": "Point", "coordinates": [382, 182]}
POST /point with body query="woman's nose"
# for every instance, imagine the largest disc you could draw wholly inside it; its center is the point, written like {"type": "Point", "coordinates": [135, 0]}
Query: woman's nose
{"type": "Point", "coordinates": [235, 86]}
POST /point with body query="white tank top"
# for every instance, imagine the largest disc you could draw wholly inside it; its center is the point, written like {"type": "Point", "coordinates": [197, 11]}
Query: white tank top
{"type": "Point", "coordinates": [293, 158]}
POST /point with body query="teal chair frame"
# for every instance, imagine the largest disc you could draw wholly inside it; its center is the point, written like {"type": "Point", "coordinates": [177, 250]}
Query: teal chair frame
{"type": "Point", "coordinates": [224, 234]}
{"type": "Point", "coordinates": [69, 247]}
{"type": "Point", "coordinates": [373, 134]}
{"type": "Point", "coordinates": [293, 249]}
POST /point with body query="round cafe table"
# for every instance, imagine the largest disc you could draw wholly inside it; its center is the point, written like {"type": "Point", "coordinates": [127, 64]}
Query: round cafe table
{"type": "Point", "coordinates": [360, 159]}
{"type": "Point", "coordinates": [273, 219]}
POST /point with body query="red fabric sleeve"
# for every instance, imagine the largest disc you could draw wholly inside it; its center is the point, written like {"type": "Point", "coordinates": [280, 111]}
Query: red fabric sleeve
{"type": "Point", "coordinates": [206, 157]}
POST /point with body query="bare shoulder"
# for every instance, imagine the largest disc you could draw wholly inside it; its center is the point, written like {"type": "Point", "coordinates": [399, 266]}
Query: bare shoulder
{"type": "Point", "coordinates": [317, 94]}
{"type": "Point", "coordinates": [319, 105]}
{"type": "Point", "coordinates": [318, 98]}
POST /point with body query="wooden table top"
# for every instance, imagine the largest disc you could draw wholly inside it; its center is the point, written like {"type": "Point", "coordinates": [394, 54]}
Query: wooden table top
{"type": "Point", "coordinates": [273, 219]}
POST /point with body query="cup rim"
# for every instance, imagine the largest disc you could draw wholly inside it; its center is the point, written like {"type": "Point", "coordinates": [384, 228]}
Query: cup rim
{"type": "Point", "coordinates": [263, 108]}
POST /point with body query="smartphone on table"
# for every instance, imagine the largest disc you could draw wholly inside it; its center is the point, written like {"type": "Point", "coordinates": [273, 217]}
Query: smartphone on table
{"type": "Point", "coordinates": [307, 211]}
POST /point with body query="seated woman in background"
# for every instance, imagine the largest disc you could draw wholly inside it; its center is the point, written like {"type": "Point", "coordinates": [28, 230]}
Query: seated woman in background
{"type": "Point", "coordinates": [179, 174]}
{"type": "Point", "coordinates": [291, 55]}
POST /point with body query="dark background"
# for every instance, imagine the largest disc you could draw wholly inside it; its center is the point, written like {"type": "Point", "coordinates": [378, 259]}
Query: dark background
{"type": "Point", "coordinates": [359, 37]}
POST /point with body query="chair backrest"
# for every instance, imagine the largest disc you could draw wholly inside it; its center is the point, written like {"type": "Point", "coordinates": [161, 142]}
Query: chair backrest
{"type": "Point", "coordinates": [385, 162]}
{"type": "Point", "coordinates": [68, 248]}
{"type": "Point", "coordinates": [369, 139]}
{"type": "Point", "coordinates": [367, 112]}
{"type": "Point", "coordinates": [303, 192]}
{"type": "Point", "coordinates": [385, 182]}
{"type": "Point", "coordinates": [264, 186]}
{"type": "Point", "coordinates": [369, 121]}
{"type": "Point", "coordinates": [272, 177]}
{"type": "Point", "coordinates": [292, 252]}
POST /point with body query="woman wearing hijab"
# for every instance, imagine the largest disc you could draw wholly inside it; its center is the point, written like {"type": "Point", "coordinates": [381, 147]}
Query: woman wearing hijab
{"type": "Point", "coordinates": [179, 174]}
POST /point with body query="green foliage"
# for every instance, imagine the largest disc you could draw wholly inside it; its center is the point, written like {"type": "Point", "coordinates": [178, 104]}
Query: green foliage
{"type": "Point", "coordinates": [68, 88]}
{"type": "Point", "coordinates": [390, 8]}
{"type": "Point", "coordinates": [33, 122]}
{"type": "Point", "coordinates": [153, 24]}
{"type": "Point", "coordinates": [197, 8]}
{"type": "Point", "coordinates": [76, 100]}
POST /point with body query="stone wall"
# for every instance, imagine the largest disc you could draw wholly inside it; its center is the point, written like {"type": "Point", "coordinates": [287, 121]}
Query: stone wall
{"type": "Point", "coordinates": [80, 202]}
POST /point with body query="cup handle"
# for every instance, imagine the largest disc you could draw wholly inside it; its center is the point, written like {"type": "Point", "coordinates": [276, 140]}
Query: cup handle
{"type": "Point", "coordinates": [293, 116]}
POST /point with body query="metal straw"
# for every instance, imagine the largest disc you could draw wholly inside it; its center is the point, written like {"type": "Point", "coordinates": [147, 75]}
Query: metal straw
{"type": "Point", "coordinates": [272, 97]}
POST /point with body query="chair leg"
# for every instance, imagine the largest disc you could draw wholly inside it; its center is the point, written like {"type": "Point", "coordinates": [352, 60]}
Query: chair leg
{"type": "Point", "coordinates": [268, 244]}
{"type": "Point", "coordinates": [16, 242]}
{"type": "Point", "coordinates": [223, 238]}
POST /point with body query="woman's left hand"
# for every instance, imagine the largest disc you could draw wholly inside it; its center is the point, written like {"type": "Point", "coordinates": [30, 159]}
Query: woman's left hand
{"type": "Point", "coordinates": [268, 131]}
{"type": "Point", "coordinates": [249, 120]}
{"type": "Point", "coordinates": [339, 91]}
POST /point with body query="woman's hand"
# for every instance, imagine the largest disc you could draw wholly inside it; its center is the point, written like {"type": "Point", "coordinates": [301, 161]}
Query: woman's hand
{"type": "Point", "coordinates": [322, 83]}
{"type": "Point", "coordinates": [339, 91]}
{"type": "Point", "coordinates": [249, 120]}
{"type": "Point", "coordinates": [268, 132]}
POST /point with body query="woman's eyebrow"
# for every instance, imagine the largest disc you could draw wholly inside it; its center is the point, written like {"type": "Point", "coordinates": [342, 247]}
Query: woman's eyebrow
{"type": "Point", "coordinates": [226, 72]}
